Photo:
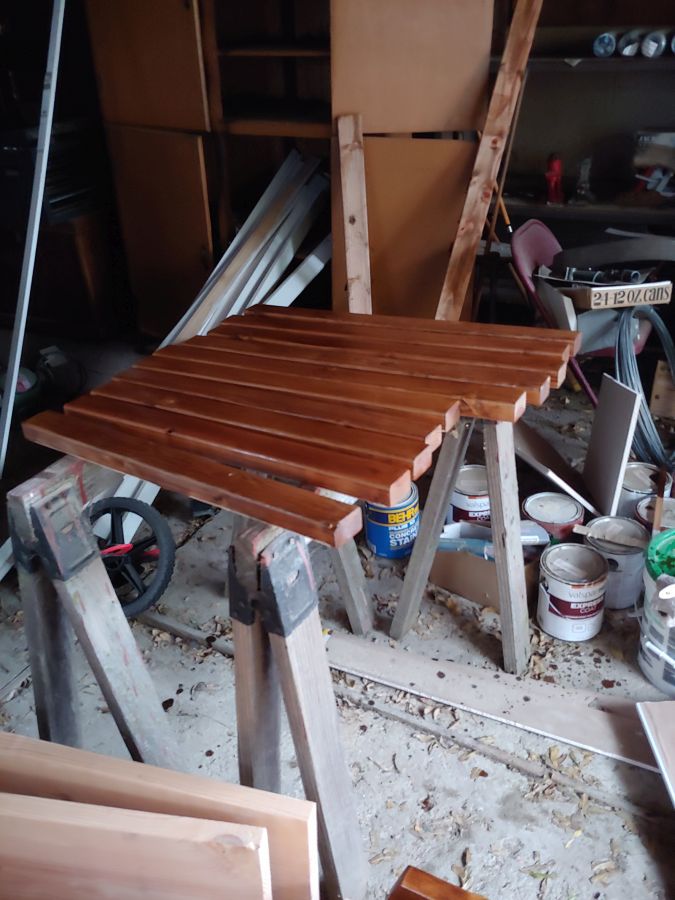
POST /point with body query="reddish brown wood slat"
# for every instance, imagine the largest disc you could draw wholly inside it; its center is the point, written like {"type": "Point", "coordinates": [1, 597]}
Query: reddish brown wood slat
{"type": "Point", "coordinates": [425, 426]}
{"type": "Point", "coordinates": [408, 452]}
{"type": "Point", "coordinates": [484, 401]}
{"type": "Point", "coordinates": [537, 389]}
{"type": "Point", "coordinates": [446, 410]}
{"type": "Point", "coordinates": [556, 337]}
{"type": "Point", "coordinates": [320, 518]}
{"type": "Point", "coordinates": [412, 348]}
{"type": "Point", "coordinates": [479, 340]}
{"type": "Point", "coordinates": [379, 481]}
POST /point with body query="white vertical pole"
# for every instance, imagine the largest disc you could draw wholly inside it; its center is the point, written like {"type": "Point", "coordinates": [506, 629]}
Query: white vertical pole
{"type": "Point", "coordinates": [44, 133]}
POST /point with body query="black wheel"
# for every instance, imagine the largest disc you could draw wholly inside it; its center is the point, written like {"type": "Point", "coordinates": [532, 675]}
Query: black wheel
{"type": "Point", "coordinates": [140, 570]}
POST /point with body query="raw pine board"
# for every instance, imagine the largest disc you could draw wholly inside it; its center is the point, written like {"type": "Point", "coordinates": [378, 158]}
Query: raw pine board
{"type": "Point", "coordinates": [662, 402]}
{"type": "Point", "coordinates": [43, 769]}
{"type": "Point", "coordinates": [320, 518]}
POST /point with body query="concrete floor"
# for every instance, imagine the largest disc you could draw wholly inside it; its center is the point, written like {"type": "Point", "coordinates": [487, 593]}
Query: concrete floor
{"type": "Point", "coordinates": [447, 805]}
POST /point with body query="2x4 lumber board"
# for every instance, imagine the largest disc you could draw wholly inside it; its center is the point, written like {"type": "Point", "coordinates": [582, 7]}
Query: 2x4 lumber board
{"type": "Point", "coordinates": [444, 411]}
{"type": "Point", "coordinates": [377, 480]}
{"type": "Point", "coordinates": [532, 349]}
{"type": "Point", "coordinates": [414, 884]}
{"type": "Point", "coordinates": [537, 389]}
{"type": "Point", "coordinates": [485, 401]}
{"type": "Point", "coordinates": [409, 452]}
{"type": "Point", "coordinates": [371, 343]}
{"type": "Point", "coordinates": [410, 66]}
{"type": "Point", "coordinates": [320, 518]}
{"type": "Point", "coordinates": [552, 337]}
{"type": "Point", "coordinates": [42, 769]}
{"type": "Point", "coordinates": [658, 721]}
{"type": "Point", "coordinates": [490, 149]}
{"type": "Point", "coordinates": [413, 425]}
{"type": "Point", "coordinates": [555, 712]}
{"type": "Point", "coordinates": [354, 213]}
{"type": "Point", "coordinates": [76, 851]}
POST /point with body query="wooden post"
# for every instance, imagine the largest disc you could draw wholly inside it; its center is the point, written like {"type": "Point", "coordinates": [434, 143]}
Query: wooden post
{"type": "Point", "coordinates": [355, 213]}
{"type": "Point", "coordinates": [448, 464]}
{"type": "Point", "coordinates": [500, 461]}
{"type": "Point", "coordinates": [490, 149]}
{"type": "Point", "coordinates": [353, 589]}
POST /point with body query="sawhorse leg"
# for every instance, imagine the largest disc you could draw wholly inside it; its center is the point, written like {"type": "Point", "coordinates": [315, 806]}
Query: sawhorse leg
{"type": "Point", "coordinates": [353, 589]}
{"type": "Point", "coordinates": [448, 464]}
{"type": "Point", "coordinates": [282, 602]}
{"type": "Point", "coordinates": [500, 461]}
{"type": "Point", "coordinates": [63, 577]}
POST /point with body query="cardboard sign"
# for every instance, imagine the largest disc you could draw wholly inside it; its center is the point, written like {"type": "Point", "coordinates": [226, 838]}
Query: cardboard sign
{"type": "Point", "coordinates": [596, 296]}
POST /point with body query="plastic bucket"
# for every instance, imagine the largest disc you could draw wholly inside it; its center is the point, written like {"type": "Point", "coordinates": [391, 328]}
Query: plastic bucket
{"type": "Point", "coordinates": [626, 564]}
{"type": "Point", "coordinates": [470, 498]}
{"type": "Point", "coordinates": [572, 582]}
{"type": "Point", "coordinates": [556, 513]}
{"type": "Point", "coordinates": [391, 530]}
{"type": "Point", "coordinates": [656, 656]}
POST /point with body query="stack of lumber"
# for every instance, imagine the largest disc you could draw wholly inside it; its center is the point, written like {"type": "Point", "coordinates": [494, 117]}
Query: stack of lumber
{"type": "Point", "coordinates": [77, 825]}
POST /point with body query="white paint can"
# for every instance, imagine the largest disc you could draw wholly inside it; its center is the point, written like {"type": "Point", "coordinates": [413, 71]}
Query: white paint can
{"type": "Point", "coordinates": [626, 564]}
{"type": "Point", "coordinates": [572, 582]}
{"type": "Point", "coordinates": [556, 513]}
{"type": "Point", "coordinates": [470, 498]}
{"type": "Point", "coordinates": [644, 513]}
{"type": "Point", "coordinates": [639, 481]}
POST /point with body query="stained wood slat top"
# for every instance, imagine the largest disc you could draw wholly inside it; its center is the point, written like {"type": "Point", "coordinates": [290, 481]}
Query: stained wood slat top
{"type": "Point", "coordinates": [352, 404]}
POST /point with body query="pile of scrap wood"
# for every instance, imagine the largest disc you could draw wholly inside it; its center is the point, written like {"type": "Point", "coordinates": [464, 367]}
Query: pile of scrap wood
{"type": "Point", "coordinates": [127, 829]}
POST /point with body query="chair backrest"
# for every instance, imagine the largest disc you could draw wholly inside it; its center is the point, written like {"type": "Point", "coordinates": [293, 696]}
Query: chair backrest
{"type": "Point", "coordinates": [534, 245]}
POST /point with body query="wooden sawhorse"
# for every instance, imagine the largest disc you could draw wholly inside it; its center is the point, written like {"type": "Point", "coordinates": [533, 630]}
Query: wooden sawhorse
{"type": "Point", "coordinates": [279, 651]}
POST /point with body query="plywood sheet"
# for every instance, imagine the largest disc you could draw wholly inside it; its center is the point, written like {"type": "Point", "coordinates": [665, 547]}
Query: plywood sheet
{"type": "Point", "coordinates": [148, 62]}
{"type": "Point", "coordinates": [407, 65]}
{"type": "Point", "coordinates": [658, 721]}
{"type": "Point", "coordinates": [415, 189]}
{"type": "Point", "coordinates": [162, 201]}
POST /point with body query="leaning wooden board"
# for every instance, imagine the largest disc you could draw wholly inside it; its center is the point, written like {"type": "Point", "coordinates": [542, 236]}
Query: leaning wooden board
{"type": "Point", "coordinates": [43, 769]}
{"type": "Point", "coordinates": [317, 399]}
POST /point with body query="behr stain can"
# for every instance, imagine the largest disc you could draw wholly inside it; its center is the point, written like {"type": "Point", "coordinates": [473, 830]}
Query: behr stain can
{"type": "Point", "coordinates": [391, 530]}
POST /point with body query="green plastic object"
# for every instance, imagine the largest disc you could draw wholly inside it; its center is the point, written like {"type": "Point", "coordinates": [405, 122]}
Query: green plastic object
{"type": "Point", "coordinates": [661, 554]}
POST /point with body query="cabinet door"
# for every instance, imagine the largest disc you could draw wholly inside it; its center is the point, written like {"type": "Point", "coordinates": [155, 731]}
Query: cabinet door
{"type": "Point", "coordinates": [148, 61]}
{"type": "Point", "coordinates": [160, 181]}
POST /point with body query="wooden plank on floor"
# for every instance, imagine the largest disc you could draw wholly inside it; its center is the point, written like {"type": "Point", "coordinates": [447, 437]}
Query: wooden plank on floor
{"type": "Point", "coordinates": [658, 721]}
{"type": "Point", "coordinates": [662, 401]}
{"type": "Point", "coordinates": [43, 769]}
{"type": "Point", "coordinates": [408, 452]}
{"type": "Point", "coordinates": [537, 388]}
{"type": "Point", "coordinates": [320, 518]}
{"type": "Point", "coordinates": [445, 411]}
{"type": "Point", "coordinates": [490, 149]}
{"type": "Point", "coordinates": [486, 401]}
{"type": "Point", "coordinates": [377, 480]}
{"type": "Point", "coordinates": [354, 213]}
{"type": "Point", "coordinates": [552, 711]}
{"type": "Point", "coordinates": [76, 851]}
{"type": "Point", "coordinates": [416, 425]}
{"type": "Point", "coordinates": [367, 344]}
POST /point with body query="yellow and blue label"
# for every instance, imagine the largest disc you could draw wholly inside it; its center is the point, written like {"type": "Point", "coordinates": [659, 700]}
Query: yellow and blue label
{"type": "Point", "coordinates": [391, 531]}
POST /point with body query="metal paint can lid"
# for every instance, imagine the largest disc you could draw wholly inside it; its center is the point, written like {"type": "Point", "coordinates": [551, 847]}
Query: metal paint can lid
{"type": "Point", "coordinates": [551, 507]}
{"type": "Point", "coordinates": [639, 477]}
{"type": "Point", "coordinates": [410, 499]}
{"type": "Point", "coordinates": [604, 528]}
{"type": "Point", "coordinates": [645, 512]}
{"type": "Point", "coordinates": [574, 563]}
{"type": "Point", "coordinates": [472, 480]}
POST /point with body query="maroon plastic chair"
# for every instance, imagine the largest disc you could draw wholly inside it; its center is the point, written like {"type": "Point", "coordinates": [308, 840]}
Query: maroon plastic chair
{"type": "Point", "coordinates": [534, 245]}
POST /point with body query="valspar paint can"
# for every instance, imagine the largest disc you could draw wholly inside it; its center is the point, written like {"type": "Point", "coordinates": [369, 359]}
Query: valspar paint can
{"type": "Point", "coordinates": [556, 513]}
{"type": "Point", "coordinates": [626, 564]}
{"type": "Point", "coordinates": [572, 582]}
{"type": "Point", "coordinates": [470, 499]}
{"type": "Point", "coordinates": [391, 530]}
{"type": "Point", "coordinates": [639, 481]}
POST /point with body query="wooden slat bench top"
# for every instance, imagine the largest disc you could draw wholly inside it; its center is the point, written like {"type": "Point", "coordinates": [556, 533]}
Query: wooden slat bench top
{"type": "Point", "coordinates": [340, 403]}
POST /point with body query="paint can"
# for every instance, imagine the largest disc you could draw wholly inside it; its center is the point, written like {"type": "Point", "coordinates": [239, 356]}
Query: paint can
{"type": "Point", "coordinates": [626, 564]}
{"type": "Point", "coordinates": [639, 481]}
{"type": "Point", "coordinates": [391, 530]}
{"type": "Point", "coordinates": [644, 513]}
{"type": "Point", "coordinates": [572, 582]}
{"type": "Point", "coordinates": [470, 498]}
{"type": "Point", "coordinates": [556, 513]}
{"type": "Point", "coordinates": [656, 655]}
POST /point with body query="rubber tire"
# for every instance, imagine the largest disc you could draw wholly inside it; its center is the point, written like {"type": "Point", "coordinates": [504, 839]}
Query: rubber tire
{"type": "Point", "coordinates": [165, 544]}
